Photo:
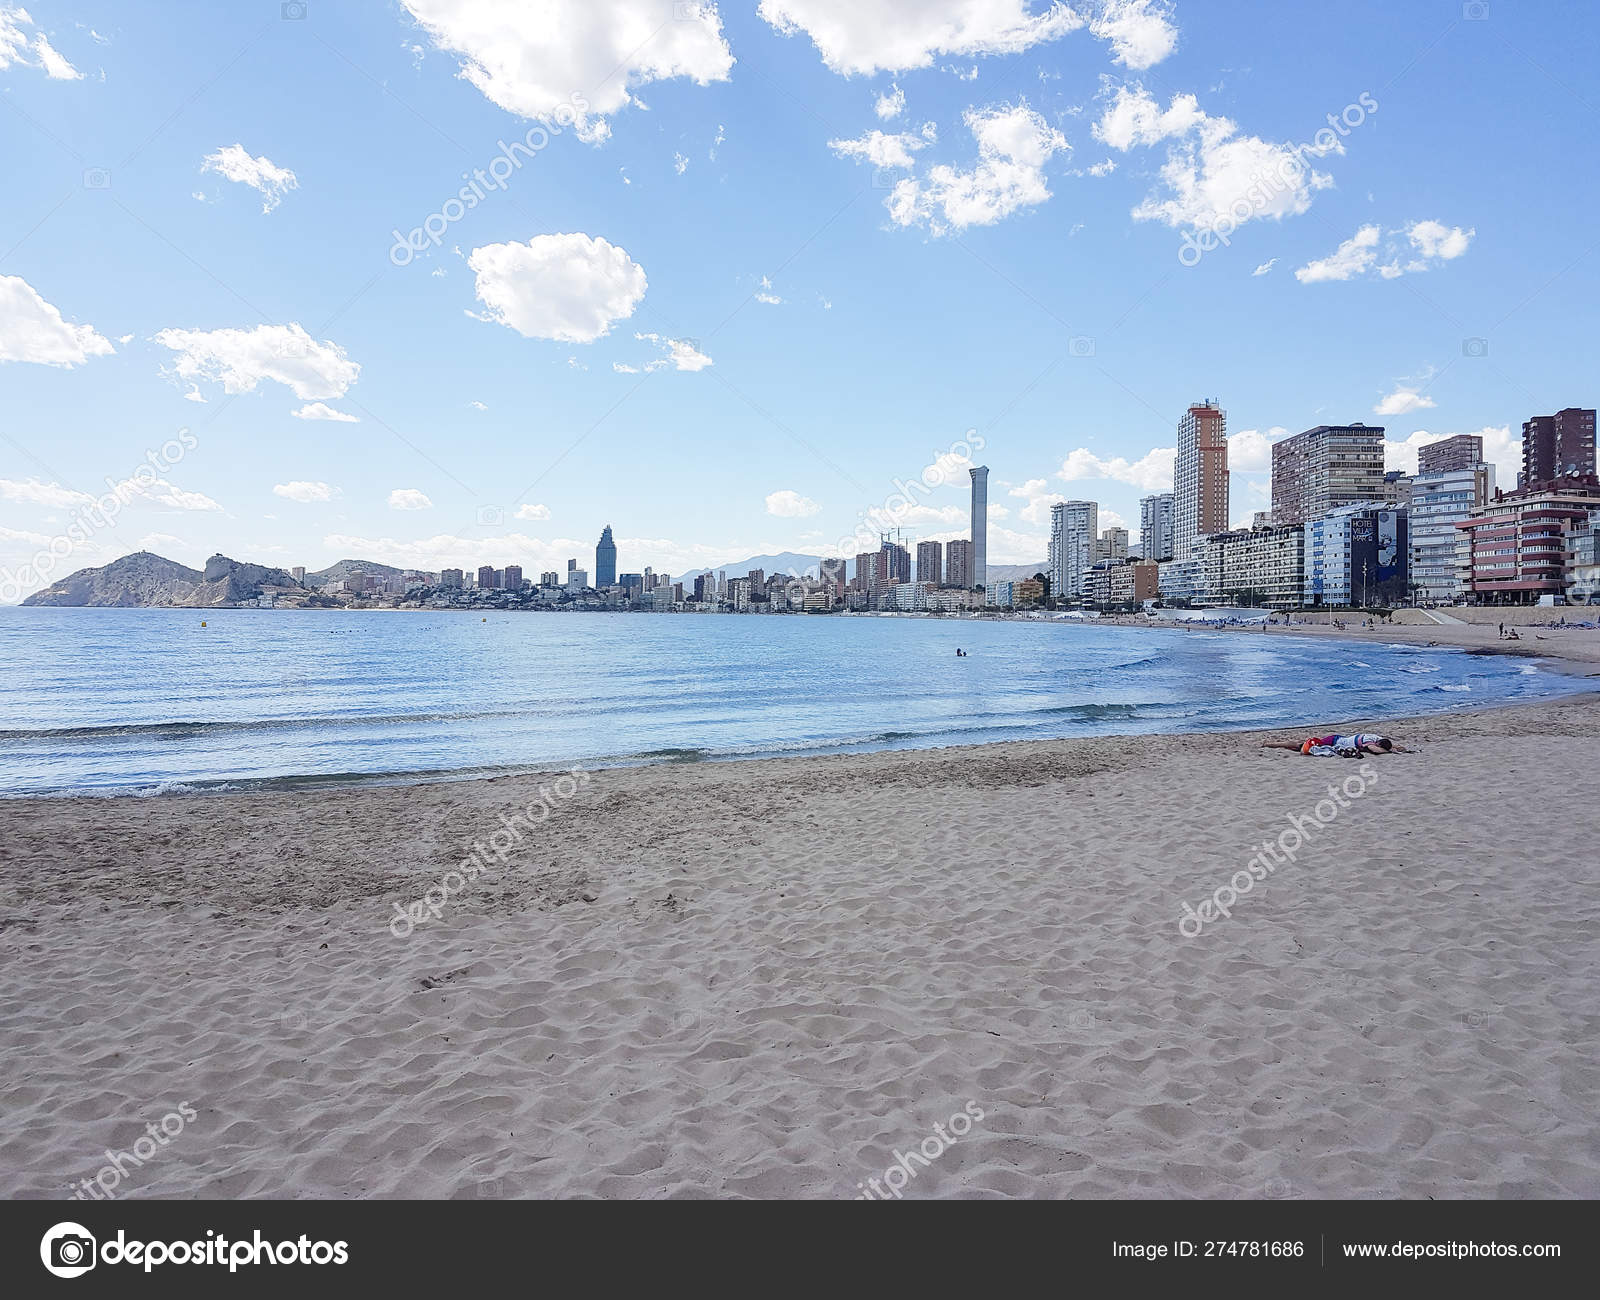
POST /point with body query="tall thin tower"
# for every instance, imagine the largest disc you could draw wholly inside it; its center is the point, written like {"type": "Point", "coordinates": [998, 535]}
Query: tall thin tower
{"type": "Point", "coordinates": [1200, 476]}
{"type": "Point", "coordinates": [980, 525]}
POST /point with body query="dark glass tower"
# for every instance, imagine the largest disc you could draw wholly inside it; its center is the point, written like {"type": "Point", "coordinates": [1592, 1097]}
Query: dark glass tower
{"type": "Point", "coordinates": [605, 560]}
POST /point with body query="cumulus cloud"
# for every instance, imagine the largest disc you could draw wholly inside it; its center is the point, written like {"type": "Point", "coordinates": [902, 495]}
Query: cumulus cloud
{"type": "Point", "coordinates": [33, 330]}
{"type": "Point", "coordinates": [890, 104]}
{"type": "Point", "coordinates": [881, 150]}
{"type": "Point", "coordinates": [1250, 450]}
{"type": "Point", "coordinates": [1430, 242]}
{"type": "Point", "coordinates": [534, 512]}
{"type": "Point", "coordinates": [25, 46]}
{"type": "Point", "coordinates": [791, 505]}
{"type": "Point", "coordinates": [1403, 401]}
{"type": "Point", "coordinates": [409, 499]}
{"type": "Point", "coordinates": [571, 288]}
{"type": "Point", "coordinates": [233, 162]}
{"type": "Point", "coordinates": [1014, 143]}
{"type": "Point", "coordinates": [1140, 31]}
{"type": "Point", "coordinates": [1265, 266]}
{"type": "Point", "coordinates": [240, 359]}
{"type": "Point", "coordinates": [1212, 172]}
{"type": "Point", "coordinates": [868, 36]}
{"type": "Point", "coordinates": [305, 493]}
{"type": "Point", "coordinates": [322, 411]}
{"type": "Point", "coordinates": [529, 59]}
{"type": "Point", "coordinates": [1152, 472]}
{"type": "Point", "coordinates": [155, 491]}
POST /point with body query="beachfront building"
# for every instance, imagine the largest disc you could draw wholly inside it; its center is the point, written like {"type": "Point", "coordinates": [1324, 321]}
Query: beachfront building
{"type": "Point", "coordinates": [958, 571]}
{"type": "Point", "coordinates": [909, 597]}
{"type": "Point", "coordinates": [1121, 582]}
{"type": "Point", "coordinates": [1200, 476]}
{"type": "Point", "coordinates": [1583, 563]}
{"type": "Point", "coordinates": [930, 562]}
{"type": "Point", "coordinates": [1027, 591]}
{"type": "Point", "coordinates": [1324, 468]}
{"type": "Point", "coordinates": [1461, 451]}
{"type": "Point", "coordinates": [1073, 526]}
{"type": "Point", "coordinates": [1357, 556]}
{"type": "Point", "coordinates": [1518, 547]}
{"type": "Point", "coordinates": [1440, 499]}
{"type": "Point", "coordinates": [980, 524]}
{"type": "Point", "coordinates": [1179, 580]}
{"type": "Point", "coordinates": [998, 595]}
{"type": "Point", "coordinates": [1557, 446]}
{"type": "Point", "coordinates": [605, 560]}
{"type": "Point", "coordinates": [1155, 527]}
{"type": "Point", "coordinates": [1261, 567]}
{"type": "Point", "coordinates": [954, 600]}
{"type": "Point", "coordinates": [1110, 545]}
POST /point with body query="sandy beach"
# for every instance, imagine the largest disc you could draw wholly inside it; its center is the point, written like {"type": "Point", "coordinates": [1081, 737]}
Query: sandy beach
{"type": "Point", "coordinates": [788, 977]}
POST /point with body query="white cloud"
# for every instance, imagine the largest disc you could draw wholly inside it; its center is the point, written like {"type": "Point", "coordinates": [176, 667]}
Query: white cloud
{"type": "Point", "coordinates": [1403, 401]}
{"type": "Point", "coordinates": [1434, 239]}
{"type": "Point", "coordinates": [533, 512]}
{"type": "Point", "coordinates": [195, 395]}
{"type": "Point", "coordinates": [33, 330]}
{"type": "Point", "coordinates": [622, 368]}
{"type": "Point", "coordinates": [890, 104]}
{"type": "Point", "coordinates": [1212, 172]}
{"type": "Point", "coordinates": [409, 499]}
{"type": "Point", "coordinates": [867, 36]}
{"type": "Point", "coordinates": [31, 492]}
{"type": "Point", "coordinates": [791, 505]}
{"type": "Point", "coordinates": [560, 58]}
{"type": "Point", "coordinates": [17, 47]}
{"type": "Point", "coordinates": [1265, 266]}
{"type": "Point", "coordinates": [1352, 258]}
{"type": "Point", "coordinates": [1039, 496]}
{"type": "Point", "coordinates": [680, 164]}
{"type": "Point", "coordinates": [1250, 451]}
{"type": "Point", "coordinates": [1431, 242]}
{"type": "Point", "coordinates": [240, 359]}
{"type": "Point", "coordinates": [322, 411]}
{"type": "Point", "coordinates": [1152, 472]}
{"type": "Point", "coordinates": [233, 162]}
{"type": "Point", "coordinates": [162, 493]}
{"type": "Point", "coordinates": [477, 405]}
{"type": "Point", "coordinates": [1013, 145]}
{"type": "Point", "coordinates": [881, 150]}
{"type": "Point", "coordinates": [1140, 31]}
{"type": "Point", "coordinates": [305, 493]}
{"type": "Point", "coordinates": [570, 288]}
{"type": "Point", "coordinates": [1103, 168]}
{"type": "Point", "coordinates": [155, 491]}
{"type": "Point", "coordinates": [684, 354]}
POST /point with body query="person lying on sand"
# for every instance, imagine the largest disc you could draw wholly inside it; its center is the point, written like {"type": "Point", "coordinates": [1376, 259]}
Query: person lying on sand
{"type": "Point", "coordinates": [1353, 746]}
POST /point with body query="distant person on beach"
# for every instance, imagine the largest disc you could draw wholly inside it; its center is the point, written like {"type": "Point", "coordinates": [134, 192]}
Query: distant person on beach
{"type": "Point", "coordinates": [1352, 746]}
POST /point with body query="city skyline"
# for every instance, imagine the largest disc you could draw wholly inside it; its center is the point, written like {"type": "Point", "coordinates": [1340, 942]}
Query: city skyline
{"type": "Point", "coordinates": [222, 269]}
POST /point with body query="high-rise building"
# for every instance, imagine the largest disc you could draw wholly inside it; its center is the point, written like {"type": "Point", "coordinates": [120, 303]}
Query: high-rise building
{"type": "Point", "coordinates": [758, 581]}
{"type": "Point", "coordinates": [298, 573]}
{"type": "Point", "coordinates": [1324, 468]}
{"type": "Point", "coordinates": [930, 562]}
{"type": "Point", "coordinates": [980, 524]}
{"type": "Point", "coordinates": [1155, 527]}
{"type": "Point", "coordinates": [894, 564]}
{"type": "Point", "coordinates": [1111, 545]}
{"type": "Point", "coordinates": [572, 567]}
{"type": "Point", "coordinates": [549, 578]}
{"type": "Point", "coordinates": [1517, 548]}
{"type": "Point", "coordinates": [866, 571]}
{"type": "Point", "coordinates": [486, 577]}
{"type": "Point", "coordinates": [1557, 446]}
{"type": "Point", "coordinates": [1073, 525]}
{"type": "Point", "coordinates": [832, 571]}
{"type": "Point", "coordinates": [499, 580]}
{"type": "Point", "coordinates": [1357, 555]}
{"type": "Point", "coordinates": [1440, 499]}
{"type": "Point", "coordinates": [513, 578]}
{"type": "Point", "coordinates": [605, 560]}
{"type": "Point", "coordinates": [958, 564]}
{"type": "Point", "coordinates": [1462, 451]}
{"type": "Point", "coordinates": [1200, 476]}
{"type": "Point", "coordinates": [577, 579]}
{"type": "Point", "coordinates": [454, 579]}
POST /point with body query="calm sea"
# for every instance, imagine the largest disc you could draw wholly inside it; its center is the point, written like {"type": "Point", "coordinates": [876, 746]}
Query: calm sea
{"type": "Point", "coordinates": [147, 701]}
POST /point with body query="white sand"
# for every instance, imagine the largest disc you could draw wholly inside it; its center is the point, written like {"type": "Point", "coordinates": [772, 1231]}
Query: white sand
{"type": "Point", "coordinates": [792, 969]}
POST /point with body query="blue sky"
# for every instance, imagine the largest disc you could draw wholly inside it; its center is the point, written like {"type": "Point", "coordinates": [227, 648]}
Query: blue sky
{"type": "Point", "coordinates": [202, 208]}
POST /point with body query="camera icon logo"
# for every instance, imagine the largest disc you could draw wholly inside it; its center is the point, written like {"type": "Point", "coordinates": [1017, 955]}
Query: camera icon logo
{"type": "Point", "coordinates": [1475, 11]}
{"type": "Point", "coordinates": [68, 1250]}
{"type": "Point", "coordinates": [96, 178]}
{"type": "Point", "coordinates": [491, 516]}
{"type": "Point", "coordinates": [1474, 347]}
{"type": "Point", "coordinates": [293, 10]}
{"type": "Point", "coordinates": [1083, 346]}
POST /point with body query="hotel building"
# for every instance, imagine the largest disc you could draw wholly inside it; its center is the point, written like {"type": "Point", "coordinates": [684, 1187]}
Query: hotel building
{"type": "Point", "coordinates": [980, 524]}
{"type": "Point", "coordinates": [1517, 549]}
{"type": "Point", "coordinates": [1357, 556]}
{"type": "Point", "coordinates": [1200, 476]}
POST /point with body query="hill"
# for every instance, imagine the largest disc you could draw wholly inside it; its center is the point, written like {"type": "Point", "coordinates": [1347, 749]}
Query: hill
{"type": "Point", "coordinates": [144, 579]}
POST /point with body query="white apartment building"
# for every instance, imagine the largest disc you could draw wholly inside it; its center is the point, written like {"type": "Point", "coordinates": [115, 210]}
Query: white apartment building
{"type": "Point", "coordinates": [1439, 501]}
{"type": "Point", "coordinates": [1073, 529]}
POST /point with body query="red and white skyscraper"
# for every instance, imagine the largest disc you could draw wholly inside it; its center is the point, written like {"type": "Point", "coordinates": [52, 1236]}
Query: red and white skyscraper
{"type": "Point", "coordinates": [1200, 476]}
